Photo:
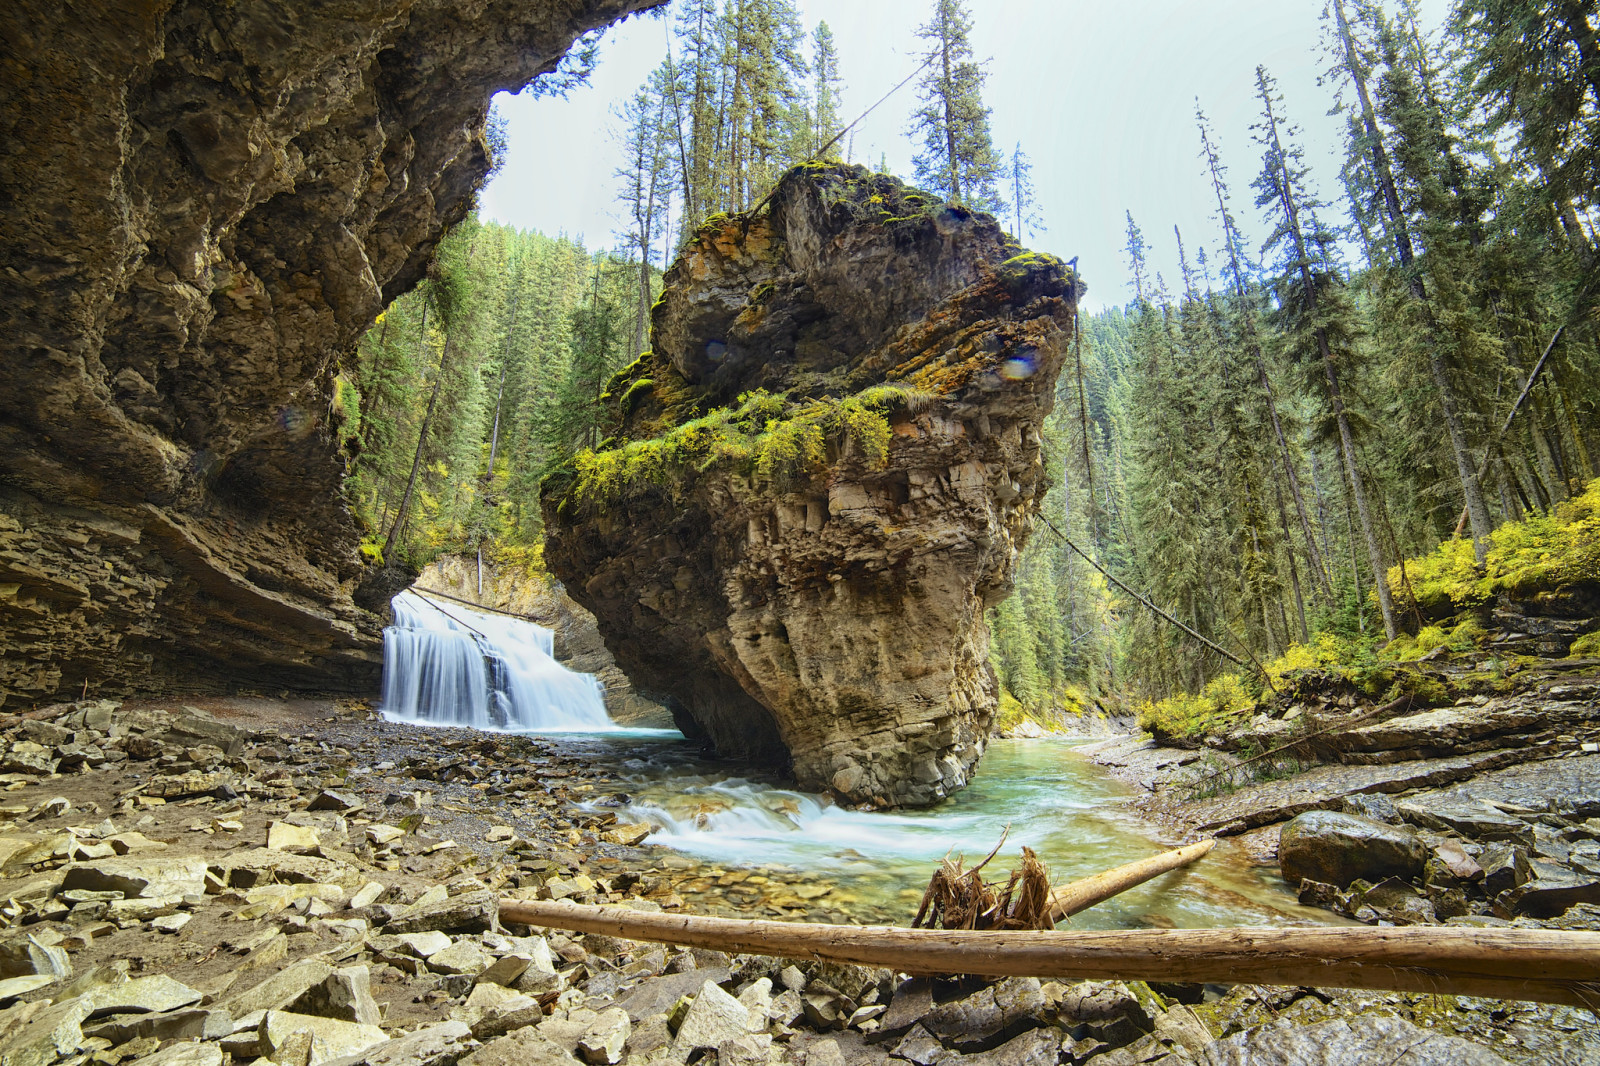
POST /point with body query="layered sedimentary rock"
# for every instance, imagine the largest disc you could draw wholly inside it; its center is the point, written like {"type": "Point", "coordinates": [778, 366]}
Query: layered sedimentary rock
{"type": "Point", "coordinates": [820, 478]}
{"type": "Point", "coordinates": [205, 206]}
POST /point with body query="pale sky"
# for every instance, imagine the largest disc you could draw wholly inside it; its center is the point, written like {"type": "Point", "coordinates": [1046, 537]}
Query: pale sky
{"type": "Point", "coordinates": [1101, 95]}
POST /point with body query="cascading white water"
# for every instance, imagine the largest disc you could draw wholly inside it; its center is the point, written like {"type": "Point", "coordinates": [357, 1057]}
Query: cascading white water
{"type": "Point", "coordinates": [446, 664]}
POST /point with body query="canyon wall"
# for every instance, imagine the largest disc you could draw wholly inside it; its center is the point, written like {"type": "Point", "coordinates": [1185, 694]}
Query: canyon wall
{"type": "Point", "coordinates": [820, 478]}
{"type": "Point", "coordinates": [204, 208]}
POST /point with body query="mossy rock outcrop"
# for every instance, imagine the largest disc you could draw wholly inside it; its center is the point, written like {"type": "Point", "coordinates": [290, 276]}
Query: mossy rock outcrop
{"type": "Point", "coordinates": [820, 477]}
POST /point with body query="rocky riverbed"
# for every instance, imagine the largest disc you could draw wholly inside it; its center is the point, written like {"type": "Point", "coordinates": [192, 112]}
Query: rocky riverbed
{"type": "Point", "coordinates": [299, 882]}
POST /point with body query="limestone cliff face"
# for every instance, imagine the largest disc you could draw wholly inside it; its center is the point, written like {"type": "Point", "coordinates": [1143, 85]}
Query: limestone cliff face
{"type": "Point", "coordinates": [205, 206]}
{"type": "Point", "coordinates": [820, 478]}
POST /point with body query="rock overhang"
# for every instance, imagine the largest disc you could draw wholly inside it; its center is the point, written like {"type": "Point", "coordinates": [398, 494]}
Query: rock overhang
{"type": "Point", "coordinates": [818, 480]}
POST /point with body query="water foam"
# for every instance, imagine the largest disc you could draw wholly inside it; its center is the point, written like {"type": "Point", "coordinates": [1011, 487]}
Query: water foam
{"type": "Point", "coordinates": [452, 665]}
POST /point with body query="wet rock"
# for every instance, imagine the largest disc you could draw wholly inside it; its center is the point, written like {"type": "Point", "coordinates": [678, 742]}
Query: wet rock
{"type": "Point", "coordinates": [1550, 891]}
{"type": "Point", "coordinates": [1396, 901]}
{"type": "Point", "coordinates": [1366, 1038]}
{"type": "Point", "coordinates": [1480, 821]}
{"type": "Point", "coordinates": [1339, 848]}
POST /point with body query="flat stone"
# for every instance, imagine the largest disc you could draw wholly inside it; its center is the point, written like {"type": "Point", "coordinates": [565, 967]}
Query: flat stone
{"type": "Point", "coordinates": [12, 987]}
{"type": "Point", "coordinates": [185, 1054]}
{"type": "Point", "coordinates": [192, 1024]}
{"type": "Point", "coordinates": [333, 799]}
{"type": "Point", "coordinates": [424, 944]}
{"type": "Point", "coordinates": [281, 836]}
{"type": "Point", "coordinates": [911, 1000]}
{"type": "Point", "coordinates": [1442, 812]}
{"type": "Point", "coordinates": [50, 1032]}
{"type": "Point", "coordinates": [656, 995]}
{"type": "Point", "coordinates": [463, 956]}
{"type": "Point", "coordinates": [1338, 848]}
{"type": "Point", "coordinates": [1365, 1038]}
{"type": "Point", "coordinates": [336, 1038]}
{"type": "Point", "coordinates": [628, 834]}
{"type": "Point", "coordinates": [506, 970]}
{"type": "Point", "coordinates": [824, 1052]}
{"type": "Point", "coordinates": [1037, 1047]}
{"type": "Point", "coordinates": [1552, 889]}
{"type": "Point", "coordinates": [366, 895]}
{"type": "Point", "coordinates": [281, 989]}
{"type": "Point", "coordinates": [27, 956]}
{"type": "Point", "coordinates": [155, 994]}
{"type": "Point", "coordinates": [713, 1017]}
{"type": "Point", "coordinates": [143, 876]}
{"type": "Point", "coordinates": [1325, 788]}
{"type": "Point", "coordinates": [492, 1002]}
{"type": "Point", "coordinates": [922, 1047]}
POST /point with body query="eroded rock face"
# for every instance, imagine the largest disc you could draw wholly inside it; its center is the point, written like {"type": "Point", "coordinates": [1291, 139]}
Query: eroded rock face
{"type": "Point", "coordinates": [817, 599]}
{"type": "Point", "coordinates": [206, 206]}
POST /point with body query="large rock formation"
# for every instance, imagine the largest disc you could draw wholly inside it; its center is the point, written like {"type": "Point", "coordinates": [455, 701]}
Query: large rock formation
{"type": "Point", "coordinates": [205, 206]}
{"type": "Point", "coordinates": [821, 477]}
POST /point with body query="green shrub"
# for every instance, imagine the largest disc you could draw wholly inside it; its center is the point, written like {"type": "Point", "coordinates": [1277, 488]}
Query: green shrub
{"type": "Point", "coordinates": [1221, 703]}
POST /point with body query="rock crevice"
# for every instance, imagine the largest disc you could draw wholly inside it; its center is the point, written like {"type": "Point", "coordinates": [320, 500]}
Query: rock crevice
{"type": "Point", "coordinates": [820, 478]}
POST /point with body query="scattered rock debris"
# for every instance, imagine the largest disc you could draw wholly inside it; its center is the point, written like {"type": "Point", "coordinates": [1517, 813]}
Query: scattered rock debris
{"type": "Point", "coordinates": [266, 882]}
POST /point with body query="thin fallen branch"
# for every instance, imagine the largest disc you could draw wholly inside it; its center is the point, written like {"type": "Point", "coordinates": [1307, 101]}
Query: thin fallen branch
{"type": "Point", "coordinates": [1543, 965]}
{"type": "Point", "coordinates": [1080, 895]}
{"type": "Point", "coordinates": [1219, 649]}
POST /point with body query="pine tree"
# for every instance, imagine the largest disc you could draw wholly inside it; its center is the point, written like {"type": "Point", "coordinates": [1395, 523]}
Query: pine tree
{"type": "Point", "coordinates": [1024, 208]}
{"type": "Point", "coordinates": [1313, 313]}
{"type": "Point", "coordinates": [1429, 336]}
{"type": "Point", "coordinates": [827, 86]}
{"type": "Point", "coordinates": [958, 160]}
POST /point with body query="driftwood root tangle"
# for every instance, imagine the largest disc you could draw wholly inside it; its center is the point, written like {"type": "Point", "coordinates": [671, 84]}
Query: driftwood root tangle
{"type": "Point", "coordinates": [1546, 966]}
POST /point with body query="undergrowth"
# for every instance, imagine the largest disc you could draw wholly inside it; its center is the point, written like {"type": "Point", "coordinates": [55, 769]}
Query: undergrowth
{"type": "Point", "coordinates": [1540, 552]}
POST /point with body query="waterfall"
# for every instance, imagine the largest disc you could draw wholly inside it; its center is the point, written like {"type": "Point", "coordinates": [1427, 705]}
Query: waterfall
{"type": "Point", "coordinates": [446, 664]}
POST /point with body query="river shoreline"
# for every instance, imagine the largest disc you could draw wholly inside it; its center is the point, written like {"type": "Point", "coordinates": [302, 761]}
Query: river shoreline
{"type": "Point", "coordinates": [322, 842]}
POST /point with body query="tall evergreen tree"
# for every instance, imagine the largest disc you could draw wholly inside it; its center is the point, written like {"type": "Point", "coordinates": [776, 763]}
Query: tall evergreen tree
{"type": "Point", "coordinates": [827, 86]}
{"type": "Point", "coordinates": [1312, 309]}
{"type": "Point", "coordinates": [958, 159]}
{"type": "Point", "coordinates": [1025, 214]}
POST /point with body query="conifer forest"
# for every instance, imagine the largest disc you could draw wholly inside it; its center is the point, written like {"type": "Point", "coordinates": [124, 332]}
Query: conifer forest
{"type": "Point", "coordinates": [1290, 453]}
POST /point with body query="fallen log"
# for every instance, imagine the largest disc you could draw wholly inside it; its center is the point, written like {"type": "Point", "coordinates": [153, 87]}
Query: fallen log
{"type": "Point", "coordinates": [1546, 966]}
{"type": "Point", "coordinates": [1071, 898]}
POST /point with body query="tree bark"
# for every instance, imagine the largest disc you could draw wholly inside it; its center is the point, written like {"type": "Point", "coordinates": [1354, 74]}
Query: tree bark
{"type": "Point", "coordinates": [1545, 966]}
{"type": "Point", "coordinates": [1080, 895]}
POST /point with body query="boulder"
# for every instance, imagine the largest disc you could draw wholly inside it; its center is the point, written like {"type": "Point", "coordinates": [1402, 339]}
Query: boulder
{"type": "Point", "coordinates": [1338, 848]}
{"type": "Point", "coordinates": [821, 605]}
{"type": "Point", "coordinates": [330, 1037]}
{"type": "Point", "coordinates": [1358, 1041]}
{"type": "Point", "coordinates": [713, 1017]}
{"type": "Point", "coordinates": [344, 994]}
{"type": "Point", "coordinates": [524, 1047]}
{"type": "Point", "coordinates": [470, 912]}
